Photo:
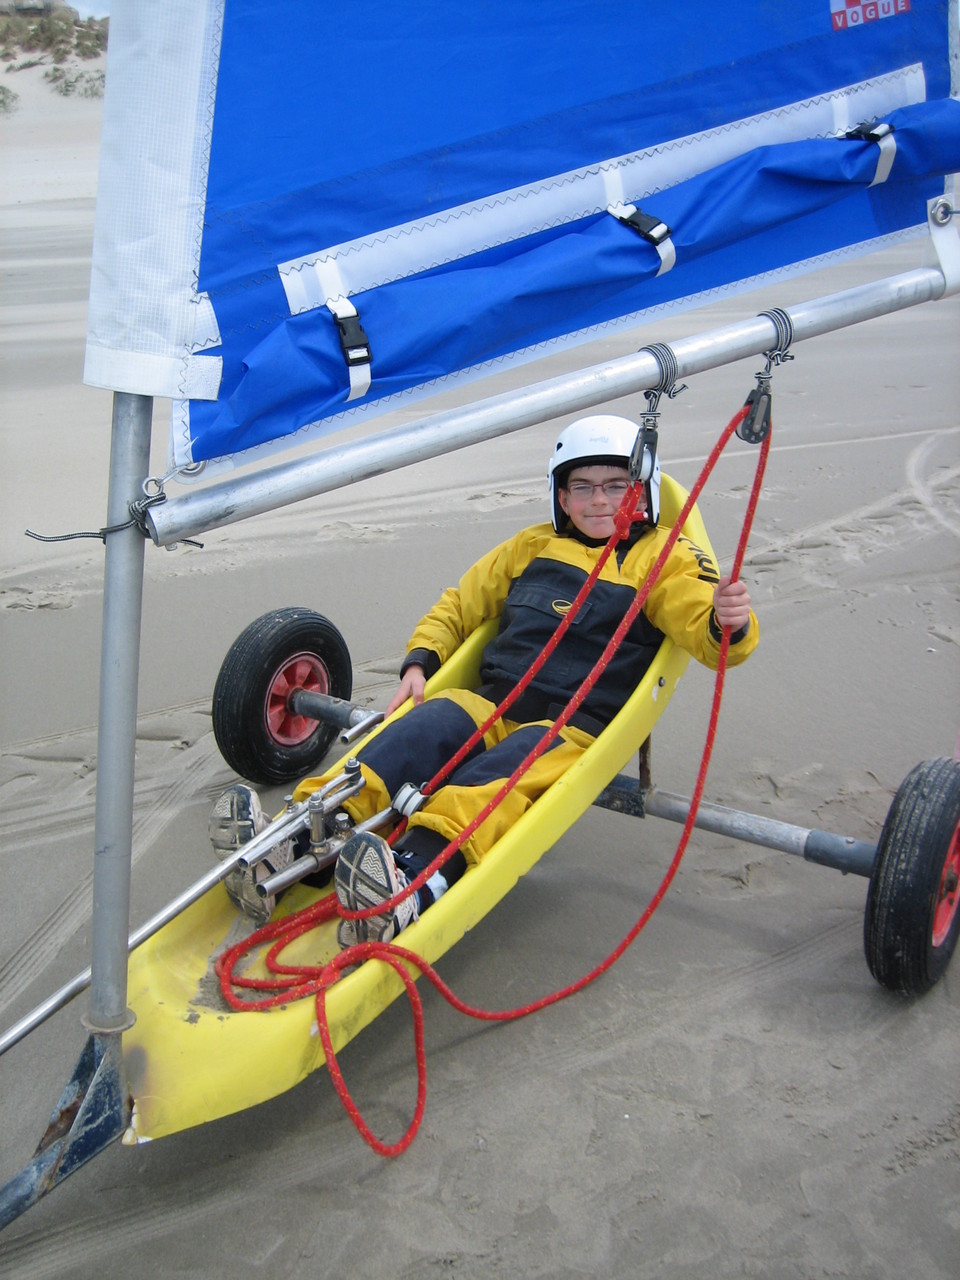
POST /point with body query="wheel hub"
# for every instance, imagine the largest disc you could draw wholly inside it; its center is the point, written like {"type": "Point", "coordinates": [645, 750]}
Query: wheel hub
{"type": "Point", "coordinates": [948, 897]}
{"type": "Point", "coordinates": [302, 671]}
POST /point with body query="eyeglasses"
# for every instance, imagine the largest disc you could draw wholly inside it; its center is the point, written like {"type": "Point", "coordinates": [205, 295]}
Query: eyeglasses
{"type": "Point", "coordinates": [583, 489]}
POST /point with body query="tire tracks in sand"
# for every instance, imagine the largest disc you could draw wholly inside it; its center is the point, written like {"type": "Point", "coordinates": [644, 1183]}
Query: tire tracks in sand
{"type": "Point", "coordinates": [185, 776]}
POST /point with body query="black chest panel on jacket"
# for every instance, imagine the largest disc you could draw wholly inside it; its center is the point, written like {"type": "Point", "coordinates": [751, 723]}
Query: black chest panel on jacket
{"type": "Point", "coordinates": [535, 605]}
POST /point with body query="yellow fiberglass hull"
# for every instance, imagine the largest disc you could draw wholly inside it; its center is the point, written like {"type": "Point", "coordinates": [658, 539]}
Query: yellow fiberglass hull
{"type": "Point", "coordinates": [190, 1058]}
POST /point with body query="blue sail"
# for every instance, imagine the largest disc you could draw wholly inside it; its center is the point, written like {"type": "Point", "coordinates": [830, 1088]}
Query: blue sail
{"type": "Point", "coordinates": [394, 195]}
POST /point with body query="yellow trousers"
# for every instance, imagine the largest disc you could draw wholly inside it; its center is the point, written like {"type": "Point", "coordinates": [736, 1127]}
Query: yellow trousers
{"type": "Point", "coordinates": [413, 747]}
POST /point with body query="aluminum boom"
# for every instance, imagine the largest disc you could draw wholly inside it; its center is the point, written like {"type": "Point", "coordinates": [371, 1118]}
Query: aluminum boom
{"type": "Point", "coordinates": [237, 498]}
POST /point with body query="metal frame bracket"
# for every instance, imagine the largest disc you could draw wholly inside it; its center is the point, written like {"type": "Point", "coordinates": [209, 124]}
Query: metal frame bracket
{"type": "Point", "coordinates": [946, 241]}
{"type": "Point", "coordinates": [93, 1112]}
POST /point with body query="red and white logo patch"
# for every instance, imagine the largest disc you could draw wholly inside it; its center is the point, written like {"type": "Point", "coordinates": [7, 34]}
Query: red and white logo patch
{"type": "Point", "coordinates": [854, 13]}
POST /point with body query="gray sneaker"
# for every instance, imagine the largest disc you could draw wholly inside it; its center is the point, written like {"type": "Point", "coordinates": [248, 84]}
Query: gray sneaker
{"type": "Point", "coordinates": [365, 875]}
{"type": "Point", "coordinates": [236, 818]}
{"type": "Point", "coordinates": [347, 935]}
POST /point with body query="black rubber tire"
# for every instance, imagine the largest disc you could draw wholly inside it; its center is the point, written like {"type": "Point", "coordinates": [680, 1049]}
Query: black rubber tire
{"type": "Point", "coordinates": [915, 874]}
{"type": "Point", "coordinates": [242, 694]}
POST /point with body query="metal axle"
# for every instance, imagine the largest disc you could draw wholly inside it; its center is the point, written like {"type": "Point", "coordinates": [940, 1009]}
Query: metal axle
{"type": "Point", "coordinates": [843, 853]}
{"type": "Point", "coordinates": [350, 717]}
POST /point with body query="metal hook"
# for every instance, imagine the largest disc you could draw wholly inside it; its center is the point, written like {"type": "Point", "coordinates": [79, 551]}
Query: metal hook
{"type": "Point", "coordinates": [153, 485]}
{"type": "Point", "coordinates": [756, 424]}
{"type": "Point", "coordinates": [784, 327]}
{"type": "Point", "coordinates": [669, 371]}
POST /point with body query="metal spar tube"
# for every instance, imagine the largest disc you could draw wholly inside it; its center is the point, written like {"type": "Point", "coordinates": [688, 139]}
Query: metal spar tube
{"type": "Point", "coordinates": [229, 501]}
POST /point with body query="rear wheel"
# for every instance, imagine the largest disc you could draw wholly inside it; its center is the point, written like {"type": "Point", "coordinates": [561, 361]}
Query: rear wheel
{"type": "Point", "coordinates": [912, 916]}
{"type": "Point", "coordinates": [258, 735]}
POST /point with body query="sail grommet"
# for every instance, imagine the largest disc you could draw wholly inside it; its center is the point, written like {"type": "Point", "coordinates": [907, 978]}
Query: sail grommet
{"type": "Point", "coordinates": [941, 211]}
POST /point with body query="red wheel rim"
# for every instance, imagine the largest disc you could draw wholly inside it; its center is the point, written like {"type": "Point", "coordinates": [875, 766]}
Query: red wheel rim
{"type": "Point", "coordinates": [948, 893]}
{"type": "Point", "coordinates": [302, 671]}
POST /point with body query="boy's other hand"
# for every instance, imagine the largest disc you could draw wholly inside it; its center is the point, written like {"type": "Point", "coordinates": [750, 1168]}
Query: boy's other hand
{"type": "Point", "coordinates": [411, 686]}
{"type": "Point", "coordinates": [731, 603]}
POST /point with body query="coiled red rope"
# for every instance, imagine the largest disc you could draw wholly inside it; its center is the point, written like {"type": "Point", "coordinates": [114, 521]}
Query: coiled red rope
{"type": "Point", "coordinates": [295, 982]}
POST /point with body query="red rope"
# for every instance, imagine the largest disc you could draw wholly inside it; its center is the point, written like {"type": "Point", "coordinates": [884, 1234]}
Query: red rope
{"type": "Point", "coordinates": [294, 982]}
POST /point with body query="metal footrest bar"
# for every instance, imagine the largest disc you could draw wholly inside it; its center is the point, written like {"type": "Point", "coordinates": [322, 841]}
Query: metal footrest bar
{"type": "Point", "coordinates": [316, 860]}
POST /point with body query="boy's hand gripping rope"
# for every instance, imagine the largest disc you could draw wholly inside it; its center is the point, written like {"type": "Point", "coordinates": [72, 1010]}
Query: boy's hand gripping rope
{"type": "Point", "coordinates": [293, 982]}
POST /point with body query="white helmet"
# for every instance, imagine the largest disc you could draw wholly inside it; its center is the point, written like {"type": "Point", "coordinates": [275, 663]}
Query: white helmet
{"type": "Point", "coordinates": [602, 439]}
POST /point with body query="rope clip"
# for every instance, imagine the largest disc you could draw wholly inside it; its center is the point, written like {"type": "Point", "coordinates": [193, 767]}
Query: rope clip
{"type": "Point", "coordinates": [755, 426]}
{"type": "Point", "coordinates": [651, 415]}
{"type": "Point", "coordinates": [644, 456]}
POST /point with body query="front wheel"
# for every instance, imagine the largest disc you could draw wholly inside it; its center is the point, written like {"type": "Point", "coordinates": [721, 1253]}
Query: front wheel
{"type": "Point", "coordinates": [912, 916]}
{"type": "Point", "coordinates": [258, 735]}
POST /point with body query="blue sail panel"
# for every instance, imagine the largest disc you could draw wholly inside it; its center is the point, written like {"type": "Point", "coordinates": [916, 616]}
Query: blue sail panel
{"type": "Point", "coordinates": [392, 195]}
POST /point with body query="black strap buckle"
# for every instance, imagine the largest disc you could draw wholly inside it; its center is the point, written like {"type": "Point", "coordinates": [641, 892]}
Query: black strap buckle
{"type": "Point", "coordinates": [865, 132]}
{"type": "Point", "coordinates": [648, 226]}
{"type": "Point", "coordinates": [353, 340]}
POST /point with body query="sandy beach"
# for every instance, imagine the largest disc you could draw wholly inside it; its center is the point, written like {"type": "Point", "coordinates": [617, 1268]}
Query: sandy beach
{"type": "Point", "coordinates": [738, 1097]}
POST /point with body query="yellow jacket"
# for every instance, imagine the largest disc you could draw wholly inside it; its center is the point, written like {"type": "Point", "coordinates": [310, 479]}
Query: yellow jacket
{"type": "Point", "coordinates": [529, 582]}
